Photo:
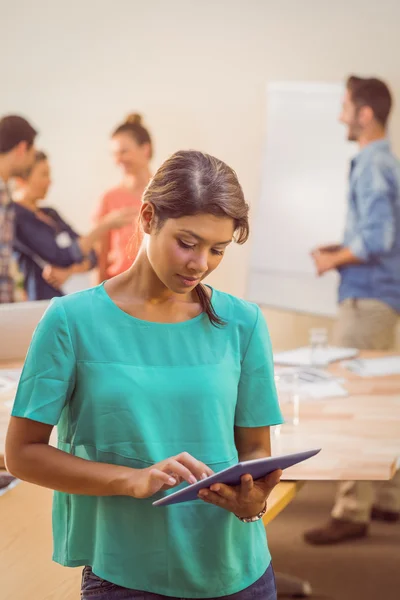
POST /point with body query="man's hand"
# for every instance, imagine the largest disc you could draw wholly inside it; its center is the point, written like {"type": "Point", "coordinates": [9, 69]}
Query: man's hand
{"type": "Point", "coordinates": [328, 248]}
{"type": "Point", "coordinates": [327, 260]}
{"type": "Point", "coordinates": [120, 218]}
{"type": "Point", "coordinates": [324, 261]}
{"type": "Point", "coordinates": [56, 276]}
{"type": "Point", "coordinates": [244, 500]}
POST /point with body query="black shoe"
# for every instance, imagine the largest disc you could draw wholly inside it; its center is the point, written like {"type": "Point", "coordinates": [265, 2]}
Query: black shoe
{"type": "Point", "coordinates": [389, 516]}
{"type": "Point", "coordinates": [336, 531]}
{"type": "Point", "coordinates": [5, 479]}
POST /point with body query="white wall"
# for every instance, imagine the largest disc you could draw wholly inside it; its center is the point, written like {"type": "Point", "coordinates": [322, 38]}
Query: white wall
{"type": "Point", "coordinates": [196, 70]}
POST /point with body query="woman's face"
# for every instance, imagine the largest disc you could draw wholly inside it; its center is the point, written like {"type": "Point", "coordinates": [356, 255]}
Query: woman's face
{"type": "Point", "coordinates": [128, 155]}
{"type": "Point", "coordinates": [184, 251]}
{"type": "Point", "coordinates": [39, 180]}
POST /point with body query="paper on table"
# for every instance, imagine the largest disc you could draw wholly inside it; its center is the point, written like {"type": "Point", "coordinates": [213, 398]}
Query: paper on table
{"type": "Point", "coordinates": [5, 384]}
{"type": "Point", "coordinates": [375, 367]}
{"type": "Point", "coordinates": [9, 376]}
{"type": "Point", "coordinates": [8, 385]}
{"type": "Point", "coordinates": [302, 356]}
{"type": "Point", "coordinates": [325, 389]}
{"type": "Point", "coordinates": [304, 374]}
{"type": "Point", "coordinates": [293, 381]}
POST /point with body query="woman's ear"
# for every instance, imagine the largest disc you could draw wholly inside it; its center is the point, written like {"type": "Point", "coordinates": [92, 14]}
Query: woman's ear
{"type": "Point", "coordinates": [147, 217]}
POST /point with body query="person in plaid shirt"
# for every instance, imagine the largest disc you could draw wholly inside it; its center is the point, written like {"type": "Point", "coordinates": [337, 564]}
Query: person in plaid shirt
{"type": "Point", "coordinates": [17, 153]}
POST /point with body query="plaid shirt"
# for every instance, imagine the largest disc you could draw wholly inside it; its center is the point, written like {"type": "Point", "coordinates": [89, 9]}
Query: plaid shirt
{"type": "Point", "coordinates": [6, 240]}
{"type": "Point", "coordinates": [10, 276]}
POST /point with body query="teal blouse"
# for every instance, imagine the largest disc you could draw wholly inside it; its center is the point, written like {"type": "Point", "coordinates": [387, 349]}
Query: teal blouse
{"type": "Point", "coordinates": [131, 392]}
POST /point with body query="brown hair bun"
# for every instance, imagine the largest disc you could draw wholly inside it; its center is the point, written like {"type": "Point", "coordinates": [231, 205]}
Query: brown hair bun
{"type": "Point", "coordinates": [134, 119]}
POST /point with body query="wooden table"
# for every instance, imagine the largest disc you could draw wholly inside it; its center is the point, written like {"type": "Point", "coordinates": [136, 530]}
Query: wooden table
{"type": "Point", "coordinates": [26, 538]}
{"type": "Point", "coordinates": [359, 434]}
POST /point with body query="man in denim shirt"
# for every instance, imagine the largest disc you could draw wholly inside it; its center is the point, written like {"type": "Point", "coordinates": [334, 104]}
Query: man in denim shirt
{"type": "Point", "coordinates": [369, 292]}
{"type": "Point", "coordinates": [17, 153]}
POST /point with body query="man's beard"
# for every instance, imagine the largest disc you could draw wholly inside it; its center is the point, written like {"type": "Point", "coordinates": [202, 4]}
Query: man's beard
{"type": "Point", "coordinates": [352, 136]}
{"type": "Point", "coordinates": [354, 132]}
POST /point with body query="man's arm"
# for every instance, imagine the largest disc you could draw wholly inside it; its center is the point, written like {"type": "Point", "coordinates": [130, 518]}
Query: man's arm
{"type": "Point", "coordinates": [326, 261]}
{"type": "Point", "coordinates": [375, 229]}
{"type": "Point", "coordinates": [57, 276]}
{"type": "Point", "coordinates": [328, 248]}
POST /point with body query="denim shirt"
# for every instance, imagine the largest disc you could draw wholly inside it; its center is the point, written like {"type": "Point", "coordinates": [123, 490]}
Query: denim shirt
{"type": "Point", "coordinates": [373, 227]}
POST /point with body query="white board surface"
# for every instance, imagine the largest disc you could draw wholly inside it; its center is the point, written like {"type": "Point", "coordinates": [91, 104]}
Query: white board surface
{"type": "Point", "coordinates": [304, 196]}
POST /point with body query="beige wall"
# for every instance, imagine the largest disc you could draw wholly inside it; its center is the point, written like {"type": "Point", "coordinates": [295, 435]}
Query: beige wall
{"type": "Point", "coordinates": [197, 70]}
{"type": "Point", "coordinates": [288, 329]}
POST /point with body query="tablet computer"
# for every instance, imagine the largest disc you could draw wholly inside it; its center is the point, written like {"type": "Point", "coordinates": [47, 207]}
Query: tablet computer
{"type": "Point", "coordinates": [231, 476]}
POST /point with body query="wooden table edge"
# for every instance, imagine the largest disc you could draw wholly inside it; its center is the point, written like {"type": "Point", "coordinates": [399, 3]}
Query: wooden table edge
{"type": "Point", "coordinates": [280, 497]}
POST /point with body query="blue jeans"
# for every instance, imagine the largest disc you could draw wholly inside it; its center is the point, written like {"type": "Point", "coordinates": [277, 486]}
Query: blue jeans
{"type": "Point", "coordinates": [94, 588]}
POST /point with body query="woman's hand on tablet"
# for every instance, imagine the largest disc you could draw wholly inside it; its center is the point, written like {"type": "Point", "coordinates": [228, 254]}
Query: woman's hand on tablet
{"type": "Point", "coordinates": [168, 474]}
{"type": "Point", "coordinates": [244, 500]}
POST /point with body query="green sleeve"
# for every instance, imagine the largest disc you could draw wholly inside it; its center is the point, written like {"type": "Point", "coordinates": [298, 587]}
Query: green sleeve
{"type": "Point", "coordinates": [257, 404]}
{"type": "Point", "coordinates": [48, 376]}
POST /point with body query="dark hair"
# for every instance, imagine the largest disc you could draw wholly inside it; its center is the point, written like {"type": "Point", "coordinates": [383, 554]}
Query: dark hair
{"type": "Point", "coordinates": [13, 131]}
{"type": "Point", "coordinates": [39, 157]}
{"type": "Point", "coordinates": [133, 126]}
{"type": "Point", "coordinates": [371, 92]}
{"type": "Point", "coordinates": [190, 183]}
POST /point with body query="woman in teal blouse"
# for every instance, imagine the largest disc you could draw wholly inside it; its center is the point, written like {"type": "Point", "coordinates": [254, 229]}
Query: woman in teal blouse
{"type": "Point", "coordinates": [154, 379]}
